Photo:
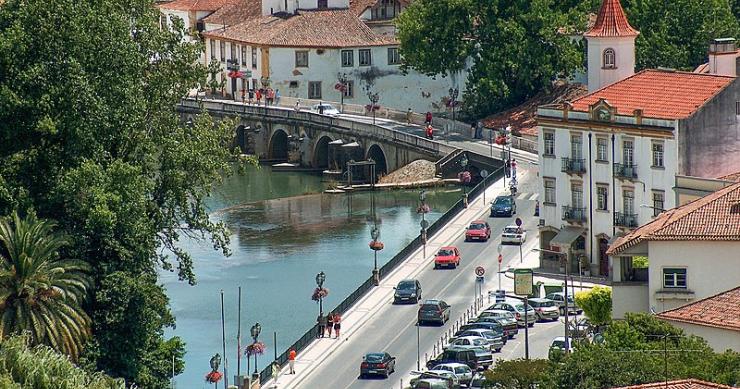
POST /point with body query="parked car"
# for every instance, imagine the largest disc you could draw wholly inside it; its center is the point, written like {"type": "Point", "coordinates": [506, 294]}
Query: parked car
{"type": "Point", "coordinates": [546, 309]}
{"type": "Point", "coordinates": [407, 291]}
{"type": "Point", "coordinates": [433, 310]}
{"type": "Point", "coordinates": [455, 355]}
{"type": "Point", "coordinates": [325, 109]}
{"type": "Point", "coordinates": [517, 308]}
{"type": "Point", "coordinates": [432, 383]}
{"type": "Point", "coordinates": [382, 364]}
{"type": "Point", "coordinates": [557, 347]}
{"type": "Point", "coordinates": [505, 318]}
{"type": "Point", "coordinates": [483, 325]}
{"type": "Point", "coordinates": [476, 341]}
{"type": "Point", "coordinates": [452, 380]}
{"type": "Point", "coordinates": [510, 323]}
{"type": "Point", "coordinates": [496, 339]}
{"type": "Point", "coordinates": [448, 256]}
{"type": "Point", "coordinates": [477, 381]}
{"type": "Point", "coordinates": [478, 230]}
{"type": "Point", "coordinates": [461, 370]}
{"type": "Point", "coordinates": [559, 299]}
{"type": "Point", "coordinates": [503, 206]}
{"type": "Point", "coordinates": [513, 235]}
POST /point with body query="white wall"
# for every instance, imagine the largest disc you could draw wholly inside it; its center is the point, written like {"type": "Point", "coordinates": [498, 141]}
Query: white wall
{"type": "Point", "coordinates": [256, 72]}
{"type": "Point", "coordinates": [280, 5]}
{"type": "Point", "coordinates": [711, 267]}
{"type": "Point", "coordinates": [624, 48]}
{"type": "Point", "coordinates": [629, 298]}
{"type": "Point", "coordinates": [719, 339]}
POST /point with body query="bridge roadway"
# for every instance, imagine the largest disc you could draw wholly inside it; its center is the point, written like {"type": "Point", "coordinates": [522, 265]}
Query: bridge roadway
{"type": "Point", "coordinates": [374, 324]}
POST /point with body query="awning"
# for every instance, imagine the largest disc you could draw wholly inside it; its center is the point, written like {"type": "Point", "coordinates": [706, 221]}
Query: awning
{"type": "Point", "coordinates": [566, 236]}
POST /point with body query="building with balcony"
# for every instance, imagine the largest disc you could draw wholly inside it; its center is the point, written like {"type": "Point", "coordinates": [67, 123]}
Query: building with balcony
{"type": "Point", "coordinates": [609, 159]}
{"type": "Point", "coordinates": [692, 253]}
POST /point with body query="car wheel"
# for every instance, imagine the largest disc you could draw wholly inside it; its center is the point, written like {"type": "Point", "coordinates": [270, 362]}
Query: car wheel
{"type": "Point", "coordinates": [531, 324]}
{"type": "Point", "coordinates": [498, 350]}
{"type": "Point", "coordinates": [436, 266]}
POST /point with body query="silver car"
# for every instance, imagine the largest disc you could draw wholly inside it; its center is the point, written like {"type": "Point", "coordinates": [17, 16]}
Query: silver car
{"type": "Point", "coordinates": [545, 309]}
{"type": "Point", "coordinates": [463, 372]}
{"type": "Point", "coordinates": [559, 299]}
{"type": "Point", "coordinates": [325, 109]}
{"type": "Point", "coordinates": [476, 342]}
{"type": "Point", "coordinates": [517, 308]}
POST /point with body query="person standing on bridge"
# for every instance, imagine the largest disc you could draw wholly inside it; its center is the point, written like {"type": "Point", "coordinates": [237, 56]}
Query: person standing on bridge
{"type": "Point", "coordinates": [330, 324]}
{"type": "Point", "coordinates": [408, 116]}
{"type": "Point", "coordinates": [430, 132]}
{"type": "Point", "coordinates": [291, 360]}
{"type": "Point", "coordinates": [322, 325]}
{"type": "Point", "coordinates": [428, 118]}
{"type": "Point", "coordinates": [337, 324]}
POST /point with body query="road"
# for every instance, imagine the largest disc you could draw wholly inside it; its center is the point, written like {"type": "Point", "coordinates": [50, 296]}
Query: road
{"type": "Point", "coordinates": [393, 328]}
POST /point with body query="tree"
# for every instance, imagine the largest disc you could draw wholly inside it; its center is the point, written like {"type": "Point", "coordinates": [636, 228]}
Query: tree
{"type": "Point", "coordinates": [676, 33]}
{"type": "Point", "coordinates": [512, 49]}
{"type": "Point", "coordinates": [596, 304]}
{"type": "Point", "coordinates": [91, 139]}
{"type": "Point", "coordinates": [518, 374]}
{"type": "Point", "coordinates": [41, 294]}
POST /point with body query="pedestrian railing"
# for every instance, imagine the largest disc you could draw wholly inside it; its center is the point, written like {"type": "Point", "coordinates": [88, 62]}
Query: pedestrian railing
{"type": "Point", "coordinates": [357, 294]}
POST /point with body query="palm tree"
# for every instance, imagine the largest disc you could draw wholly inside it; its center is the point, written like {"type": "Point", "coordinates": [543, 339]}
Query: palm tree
{"type": "Point", "coordinates": [39, 293]}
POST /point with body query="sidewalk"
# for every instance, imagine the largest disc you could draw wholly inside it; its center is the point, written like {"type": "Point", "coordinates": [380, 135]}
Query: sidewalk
{"type": "Point", "coordinates": [357, 316]}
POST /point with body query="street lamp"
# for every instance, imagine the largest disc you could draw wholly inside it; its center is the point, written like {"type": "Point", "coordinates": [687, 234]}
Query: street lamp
{"type": "Point", "coordinates": [376, 246]}
{"type": "Point", "coordinates": [320, 278]}
{"type": "Point", "coordinates": [255, 332]}
{"type": "Point", "coordinates": [374, 98]}
{"type": "Point", "coordinates": [565, 291]}
{"type": "Point", "coordinates": [464, 163]}
{"type": "Point", "coordinates": [423, 209]}
{"type": "Point", "coordinates": [342, 88]}
{"type": "Point", "coordinates": [453, 101]}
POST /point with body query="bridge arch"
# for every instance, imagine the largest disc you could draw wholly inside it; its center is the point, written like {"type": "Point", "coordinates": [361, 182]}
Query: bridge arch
{"type": "Point", "coordinates": [321, 155]}
{"type": "Point", "coordinates": [278, 147]}
{"type": "Point", "coordinates": [376, 153]}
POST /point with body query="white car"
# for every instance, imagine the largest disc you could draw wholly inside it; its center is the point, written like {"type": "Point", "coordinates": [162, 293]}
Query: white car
{"type": "Point", "coordinates": [471, 342]}
{"type": "Point", "coordinates": [325, 109]}
{"type": "Point", "coordinates": [513, 234]}
{"type": "Point", "coordinates": [463, 372]}
{"type": "Point", "coordinates": [437, 373]}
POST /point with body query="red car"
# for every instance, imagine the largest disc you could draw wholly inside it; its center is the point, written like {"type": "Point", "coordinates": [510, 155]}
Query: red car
{"type": "Point", "coordinates": [478, 230]}
{"type": "Point", "coordinates": [448, 257]}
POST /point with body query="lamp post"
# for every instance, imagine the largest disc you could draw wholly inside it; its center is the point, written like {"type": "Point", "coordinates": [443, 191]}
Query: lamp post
{"type": "Point", "coordinates": [320, 278]}
{"type": "Point", "coordinates": [453, 101]}
{"type": "Point", "coordinates": [423, 209]}
{"type": "Point", "coordinates": [342, 88]}
{"type": "Point", "coordinates": [255, 332]}
{"type": "Point", "coordinates": [374, 98]}
{"type": "Point", "coordinates": [464, 163]}
{"type": "Point", "coordinates": [215, 362]}
{"type": "Point", "coordinates": [375, 246]}
{"type": "Point", "coordinates": [565, 292]}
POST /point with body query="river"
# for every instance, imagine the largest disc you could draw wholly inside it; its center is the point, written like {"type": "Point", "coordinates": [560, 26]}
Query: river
{"type": "Point", "coordinates": [284, 231]}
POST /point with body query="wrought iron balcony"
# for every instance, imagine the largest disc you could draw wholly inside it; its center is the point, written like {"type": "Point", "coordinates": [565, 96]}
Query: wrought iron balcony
{"type": "Point", "coordinates": [572, 214]}
{"type": "Point", "coordinates": [628, 220]}
{"type": "Point", "coordinates": [625, 171]}
{"type": "Point", "coordinates": [573, 166]}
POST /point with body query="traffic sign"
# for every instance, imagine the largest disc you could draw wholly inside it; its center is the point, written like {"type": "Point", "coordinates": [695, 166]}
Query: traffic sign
{"type": "Point", "coordinates": [480, 279]}
{"type": "Point", "coordinates": [500, 258]}
{"type": "Point", "coordinates": [480, 271]}
{"type": "Point", "coordinates": [518, 222]}
{"type": "Point", "coordinates": [523, 282]}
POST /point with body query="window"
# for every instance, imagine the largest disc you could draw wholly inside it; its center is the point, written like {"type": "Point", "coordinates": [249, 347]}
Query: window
{"type": "Point", "coordinates": [314, 89]}
{"type": "Point", "coordinates": [602, 198]}
{"type": "Point", "coordinates": [163, 21]}
{"type": "Point", "coordinates": [657, 154]}
{"type": "Point", "coordinates": [576, 147]}
{"type": "Point", "coordinates": [609, 59]}
{"type": "Point", "coordinates": [244, 55]}
{"type": "Point", "coordinates": [674, 278]}
{"type": "Point", "coordinates": [222, 47]}
{"type": "Point", "coordinates": [348, 58]}
{"type": "Point", "coordinates": [628, 152]}
{"type": "Point", "coordinates": [549, 190]}
{"type": "Point", "coordinates": [628, 202]}
{"type": "Point", "coordinates": [234, 58]}
{"type": "Point", "coordinates": [213, 49]}
{"type": "Point", "coordinates": [365, 57]}
{"type": "Point", "coordinates": [322, 4]}
{"type": "Point", "coordinates": [549, 143]}
{"type": "Point", "coordinates": [602, 145]}
{"type": "Point", "coordinates": [576, 195]}
{"type": "Point", "coordinates": [393, 57]}
{"type": "Point", "coordinates": [349, 91]}
{"type": "Point", "coordinates": [301, 59]}
{"type": "Point", "coordinates": [658, 202]}
{"type": "Point", "coordinates": [254, 58]}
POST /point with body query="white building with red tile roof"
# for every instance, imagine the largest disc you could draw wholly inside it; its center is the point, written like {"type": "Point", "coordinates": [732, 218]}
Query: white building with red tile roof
{"type": "Point", "coordinates": [692, 252]}
{"type": "Point", "coordinates": [716, 319]}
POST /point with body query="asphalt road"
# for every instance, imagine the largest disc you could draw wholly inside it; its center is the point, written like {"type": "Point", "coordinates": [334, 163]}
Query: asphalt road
{"type": "Point", "coordinates": [393, 328]}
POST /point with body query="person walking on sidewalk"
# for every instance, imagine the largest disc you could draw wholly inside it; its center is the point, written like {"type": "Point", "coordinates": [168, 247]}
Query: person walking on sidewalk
{"type": "Point", "coordinates": [337, 324]}
{"type": "Point", "coordinates": [291, 361]}
{"type": "Point", "coordinates": [408, 116]}
{"type": "Point", "coordinates": [428, 118]}
{"type": "Point", "coordinates": [322, 325]}
{"type": "Point", "coordinates": [430, 132]}
{"type": "Point", "coordinates": [330, 324]}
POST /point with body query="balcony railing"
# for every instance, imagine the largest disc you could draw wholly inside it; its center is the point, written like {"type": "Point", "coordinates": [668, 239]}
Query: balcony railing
{"type": "Point", "coordinates": [625, 171]}
{"type": "Point", "coordinates": [572, 214]}
{"type": "Point", "coordinates": [574, 166]}
{"type": "Point", "coordinates": [628, 220]}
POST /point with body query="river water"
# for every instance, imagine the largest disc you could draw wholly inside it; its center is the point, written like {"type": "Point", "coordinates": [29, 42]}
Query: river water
{"type": "Point", "coordinates": [284, 231]}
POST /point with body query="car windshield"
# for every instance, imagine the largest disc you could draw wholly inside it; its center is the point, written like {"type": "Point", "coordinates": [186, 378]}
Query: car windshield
{"type": "Point", "coordinates": [478, 342]}
{"type": "Point", "coordinates": [374, 358]}
{"type": "Point", "coordinates": [477, 226]}
{"type": "Point", "coordinates": [546, 304]}
{"type": "Point", "coordinates": [429, 307]}
{"type": "Point", "coordinates": [406, 285]}
{"type": "Point", "coordinates": [511, 230]}
{"type": "Point", "coordinates": [558, 343]}
{"type": "Point", "coordinates": [502, 201]}
{"type": "Point", "coordinates": [461, 369]}
{"type": "Point", "coordinates": [520, 307]}
{"type": "Point", "coordinates": [445, 252]}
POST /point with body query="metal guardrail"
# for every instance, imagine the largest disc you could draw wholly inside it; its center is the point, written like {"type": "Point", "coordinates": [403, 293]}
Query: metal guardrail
{"type": "Point", "coordinates": [357, 294]}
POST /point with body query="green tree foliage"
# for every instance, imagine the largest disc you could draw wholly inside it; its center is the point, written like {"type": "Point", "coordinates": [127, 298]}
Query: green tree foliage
{"type": "Point", "coordinates": [90, 138]}
{"type": "Point", "coordinates": [676, 33]}
{"type": "Point", "coordinates": [40, 367]}
{"type": "Point", "coordinates": [39, 293]}
{"type": "Point", "coordinates": [596, 304]}
{"type": "Point", "coordinates": [513, 48]}
{"type": "Point", "coordinates": [518, 374]}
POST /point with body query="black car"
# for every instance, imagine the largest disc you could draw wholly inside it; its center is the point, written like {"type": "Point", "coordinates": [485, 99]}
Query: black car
{"type": "Point", "coordinates": [455, 355]}
{"type": "Point", "coordinates": [407, 291]}
{"type": "Point", "coordinates": [382, 364]}
{"type": "Point", "coordinates": [486, 325]}
{"type": "Point", "coordinates": [434, 310]}
{"type": "Point", "coordinates": [503, 206]}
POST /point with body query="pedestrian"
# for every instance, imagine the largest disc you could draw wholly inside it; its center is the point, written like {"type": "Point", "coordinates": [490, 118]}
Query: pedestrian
{"type": "Point", "coordinates": [408, 116]}
{"type": "Point", "coordinates": [507, 168]}
{"type": "Point", "coordinates": [244, 95]}
{"type": "Point", "coordinates": [513, 167]}
{"type": "Point", "coordinates": [479, 130]}
{"type": "Point", "coordinates": [298, 105]}
{"type": "Point", "coordinates": [428, 118]}
{"type": "Point", "coordinates": [337, 324]}
{"type": "Point", "coordinates": [258, 96]}
{"type": "Point", "coordinates": [430, 132]}
{"type": "Point", "coordinates": [251, 96]}
{"type": "Point", "coordinates": [321, 107]}
{"type": "Point", "coordinates": [277, 96]}
{"type": "Point", "coordinates": [275, 370]}
{"type": "Point", "coordinates": [473, 133]}
{"type": "Point", "coordinates": [270, 96]}
{"type": "Point", "coordinates": [329, 324]}
{"type": "Point", "coordinates": [291, 360]}
{"type": "Point", "coordinates": [322, 325]}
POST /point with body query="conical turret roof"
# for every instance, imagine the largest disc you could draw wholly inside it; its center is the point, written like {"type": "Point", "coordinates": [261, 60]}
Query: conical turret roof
{"type": "Point", "coordinates": [611, 22]}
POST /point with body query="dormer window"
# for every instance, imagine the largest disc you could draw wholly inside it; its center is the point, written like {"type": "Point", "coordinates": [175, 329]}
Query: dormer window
{"type": "Point", "coordinates": [609, 59]}
{"type": "Point", "coordinates": [386, 9]}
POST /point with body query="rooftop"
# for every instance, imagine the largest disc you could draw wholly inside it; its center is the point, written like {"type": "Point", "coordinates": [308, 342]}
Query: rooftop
{"type": "Point", "coordinates": [236, 12]}
{"type": "Point", "coordinates": [690, 383]}
{"type": "Point", "coordinates": [735, 177]}
{"type": "Point", "coordinates": [721, 311]}
{"type": "Point", "coordinates": [357, 7]}
{"type": "Point", "coordinates": [663, 94]}
{"type": "Point", "coordinates": [321, 29]}
{"type": "Point", "coordinates": [715, 217]}
{"type": "Point", "coordinates": [611, 22]}
{"type": "Point", "coordinates": [195, 5]}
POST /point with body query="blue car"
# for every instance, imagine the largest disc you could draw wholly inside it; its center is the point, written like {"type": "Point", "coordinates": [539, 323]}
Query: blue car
{"type": "Point", "coordinates": [503, 206]}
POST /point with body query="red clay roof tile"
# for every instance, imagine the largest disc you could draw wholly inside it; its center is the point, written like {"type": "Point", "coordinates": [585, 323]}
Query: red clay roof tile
{"type": "Point", "coordinates": [195, 5]}
{"type": "Point", "coordinates": [236, 12]}
{"type": "Point", "coordinates": [690, 383]}
{"type": "Point", "coordinates": [663, 94]}
{"type": "Point", "coordinates": [721, 311]}
{"type": "Point", "coordinates": [611, 22]}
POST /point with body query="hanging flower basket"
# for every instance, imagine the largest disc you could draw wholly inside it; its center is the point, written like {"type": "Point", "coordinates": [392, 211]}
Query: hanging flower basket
{"type": "Point", "coordinates": [464, 177]}
{"type": "Point", "coordinates": [372, 107]}
{"type": "Point", "coordinates": [376, 245]}
{"type": "Point", "coordinates": [319, 293]}
{"type": "Point", "coordinates": [214, 376]}
{"type": "Point", "coordinates": [424, 208]}
{"type": "Point", "coordinates": [256, 348]}
{"type": "Point", "coordinates": [501, 140]}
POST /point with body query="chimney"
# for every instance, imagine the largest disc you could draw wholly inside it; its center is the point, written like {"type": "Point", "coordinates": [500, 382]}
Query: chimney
{"type": "Point", "coordinates": [723, 56]}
